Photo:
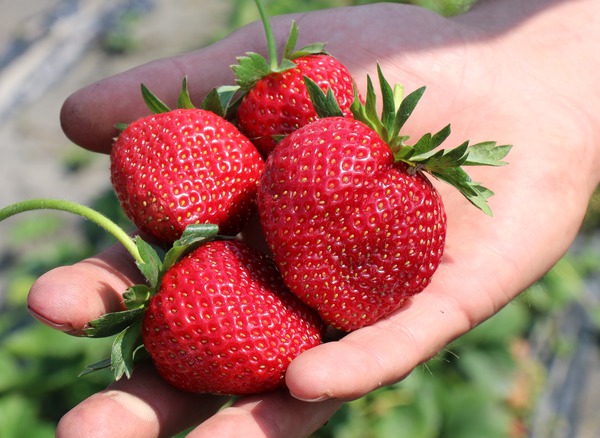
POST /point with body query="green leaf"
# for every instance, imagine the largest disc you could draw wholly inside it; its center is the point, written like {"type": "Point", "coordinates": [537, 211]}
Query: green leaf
{"type": "Point", "coordinates": [219, 100]}
{"type": "Point", "coordinates": [137, 296]}
{"type": "Point", "coordinates": [367, 113]}
{"type": "Point", "coordinates": [408, 105]}
{"type": "Point", "coordinates": [112, 323]}
{"type": "Point", "coordinates": [325, 104]}
{"type": "Point", "coordinates": [474, 192]}
{"type": "Point", "coordinates": [184, 97]}
{"type": "Point", "coordinates": [123, 350]}
{"type": "Point", "coordinates": [97, 366]}
{"type": "Point", "coordinates": [152, 265]}
{"type": "Point", "coordinates": [487, 154]}
{"type": "Point", "coordinates": [290, 44]}
{"type": "Point", "coordinates": [388, 115]}
{"type": "Point", "coordinates": [310, 49]}
{"type": "Point", "coordinates": [193, 236]}
{"type": "Point", "coordinates": [250, 69]}
{"type": "Point", "coordinates": [155, 105]}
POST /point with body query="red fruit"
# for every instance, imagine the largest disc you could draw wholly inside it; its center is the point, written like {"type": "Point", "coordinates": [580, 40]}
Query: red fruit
{"type": "Point", "coordinates": [276, 101]}
{"type": "Point", "coordinates": [185, 166]}
{"type": "Point", "coordinates": [223, 322]}
{"type": "Point", "coordinates": [279, 103]}
{"type": "Point", "coordinates": [355, 226]}
{"type": "Point", "coordinates": [353, 233]}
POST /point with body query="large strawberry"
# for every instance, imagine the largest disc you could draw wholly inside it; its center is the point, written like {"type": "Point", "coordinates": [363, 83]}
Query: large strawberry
{"type": "Point", "coordinates": [354, 224]}
{"type": "Point", "coordinates": [276, 101]}
{"type": "Point", "coordinates": [184, 166]}
{"type": "Point", "coordinates": [214, 314]}
{"type": "Point", "coordinates": [223, 322]}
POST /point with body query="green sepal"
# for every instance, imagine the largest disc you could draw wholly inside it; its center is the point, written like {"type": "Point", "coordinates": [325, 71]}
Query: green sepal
{"type": "Point", "coordinates": [153, 103]}
{"type": "Point", "coordinates": [152, 265]}
{"type": "Point", "coordinates": [475, 193]}
{"type": "Point", "coordinates": [424, 155]}
{"type": "Point", "coordinates": [112, 323]}
{"type": "Point", "coordinates": [220, 100]}
{"type": "Point", "coordinates": [325, 104]}
{"type": "Point", "coordinates": [252, 67]}
{"type": "Point", "coordinates": [406, 108]}
{"type": "Point", "coordinates": [487, 154]}
{"type": "Point", "coordinates": [123, 350]}
{"type": "Point", "coordinates": [97, 366]}
{"type": "Point", "coordinates": [185, 101]}
{"type": "Point", "coordinates": [137, 296]}
{"type": "Point", "coordinates": [121, 126]}
{"type": "Point", "coordinates": [192, 237]}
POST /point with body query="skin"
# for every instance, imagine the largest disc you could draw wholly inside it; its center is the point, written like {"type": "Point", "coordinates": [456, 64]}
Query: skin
{"type": "Point", "coordinates": [503, 72]}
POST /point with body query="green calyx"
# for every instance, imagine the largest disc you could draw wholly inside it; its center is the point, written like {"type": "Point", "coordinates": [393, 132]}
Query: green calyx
{"type": "Point", "coordinates": [424, 155]}
{"type": "Point", "coordinates": [253, 67]}
{"type": "Point", "coordinates": [127, 324]}
{"type": "Point", "coordinates": [219, 101]}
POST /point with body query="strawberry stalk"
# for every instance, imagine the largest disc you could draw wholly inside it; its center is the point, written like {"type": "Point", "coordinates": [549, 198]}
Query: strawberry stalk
{"type": "Point", "coordinates": [270, 36]}
{"type": "Point", "coordinates": [126, 324]}
{"type": "Point", "coordinates": [80, 210]}
{"type": "Point", "coordinates": [253, 67]}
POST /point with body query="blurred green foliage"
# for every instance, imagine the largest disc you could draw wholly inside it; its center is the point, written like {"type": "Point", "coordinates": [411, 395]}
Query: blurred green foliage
{"type": "Point", "coordinates": [483, 385]}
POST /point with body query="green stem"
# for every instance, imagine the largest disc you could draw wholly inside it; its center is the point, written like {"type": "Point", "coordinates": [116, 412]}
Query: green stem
{"type": "Point", "coordinates": [269, 34]}
{"type": "Point", "coordinates": [72, 207]}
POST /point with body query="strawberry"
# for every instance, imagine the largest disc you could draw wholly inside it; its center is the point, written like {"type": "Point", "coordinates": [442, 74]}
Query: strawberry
{"type": "Point", "coordinates": [354, 224]}
{"type": "Point", "coordinates": [214, 314]}
{"type": "Point", "coordinates": [223, 322]}
{"type": "Point", "coordinates": [184, 166]}
{"type": "Point", "coordinates": [275, 100]}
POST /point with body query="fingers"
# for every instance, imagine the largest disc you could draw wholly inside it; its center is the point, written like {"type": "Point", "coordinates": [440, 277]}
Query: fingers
{"type": "Point", "coordinates": [88, 117]}
{"type": "Point", "coordinates": [466, 290]}
{"type": "Point", "coordinates": [273, 415]}
{"type": "Point", "coordinates": [143, 406]}
{"type": "Point", "coordinates": [69, 297]}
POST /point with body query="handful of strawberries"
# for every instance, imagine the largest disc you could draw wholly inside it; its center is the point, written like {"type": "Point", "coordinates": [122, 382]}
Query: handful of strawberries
{"type": "Point", "coordinates": [353, 225]}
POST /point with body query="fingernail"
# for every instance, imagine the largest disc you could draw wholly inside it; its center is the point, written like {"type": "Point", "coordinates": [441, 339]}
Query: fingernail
{"type": "Point", "coordinates": [65, 328]}
{"type": "Point", "coordinates": [321, 398]}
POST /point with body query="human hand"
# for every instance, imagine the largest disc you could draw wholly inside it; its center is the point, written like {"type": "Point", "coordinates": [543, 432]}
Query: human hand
{"type": "Point", "coordinates": [480, 78]}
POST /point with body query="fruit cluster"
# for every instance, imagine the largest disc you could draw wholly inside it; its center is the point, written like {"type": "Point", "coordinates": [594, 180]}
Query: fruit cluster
{"type": "Point", "coordinates": [353, 225]}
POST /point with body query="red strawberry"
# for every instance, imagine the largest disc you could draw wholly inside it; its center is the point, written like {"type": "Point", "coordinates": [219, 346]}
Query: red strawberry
{"type": "Point", "coordinates": [276, 101]}
{"type": "Point", "coordinates": [354, 224]}
{"type": "Point", "coordinates": [223, 322]}
{"type": "Point", "coordinates": [214, 315]}
{"type": "Point", "coordinates": [184, 166]}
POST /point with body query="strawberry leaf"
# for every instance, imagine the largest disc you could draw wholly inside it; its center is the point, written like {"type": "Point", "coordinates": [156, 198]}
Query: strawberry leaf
{"type": "Point", "coordinates": [250, 69]}
{"type": "Point", "coordinates": [184, 97]}
{"type": "Point", "coordinates": [487, 154]}
{"type": "Point", "coordinates": [219, 100]}
{"type": "Point", "coordinates": [151, 267]}
{"type": "Point", "coordinates": [290, 44]}
{"type": "Point", "coordinates": [193, 236]}
{"type": "Point", "coordinates": [97, 366]}
{"type": "Point", "coordinates": [325, 104]}
{"type": "Point", "coordinates": [112, 323]}
{"type": "Point", "coordinates": [137, 296]}
{"type": "Point", "coordinates": [155, 105]}
{"type": "Point", "coordinates": [408, 105]}
{"type": "Point", "coordinates": [474, 192]}
{"type": "Point", "coordinates": [123, 350]}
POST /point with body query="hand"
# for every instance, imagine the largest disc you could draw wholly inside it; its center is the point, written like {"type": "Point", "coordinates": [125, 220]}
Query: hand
{"type": "Point", "coordinates": [499, 73]}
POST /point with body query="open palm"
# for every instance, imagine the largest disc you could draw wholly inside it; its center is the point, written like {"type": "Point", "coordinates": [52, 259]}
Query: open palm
{"type": "Point", "coordinates": [480, 78]}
